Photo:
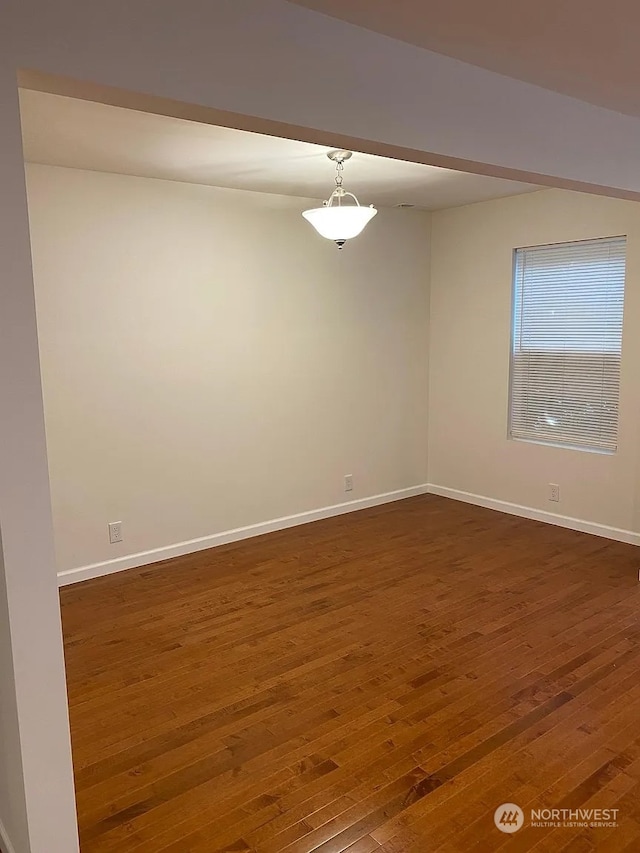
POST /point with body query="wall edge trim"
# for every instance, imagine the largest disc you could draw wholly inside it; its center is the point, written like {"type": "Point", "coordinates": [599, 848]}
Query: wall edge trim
{"type": "Point", "coordinates": [191, 546]}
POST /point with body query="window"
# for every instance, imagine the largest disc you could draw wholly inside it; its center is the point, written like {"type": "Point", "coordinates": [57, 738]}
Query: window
{"type": "Point", "coordinates": [567, 341]}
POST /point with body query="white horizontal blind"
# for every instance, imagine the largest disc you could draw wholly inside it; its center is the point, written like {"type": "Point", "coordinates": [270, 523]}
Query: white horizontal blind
{"type": "Point", "coordinates": [567, 343]}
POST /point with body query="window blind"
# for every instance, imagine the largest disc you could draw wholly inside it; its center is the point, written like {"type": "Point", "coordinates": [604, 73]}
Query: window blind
{"type": "Point", "coordinates": [567, 342]}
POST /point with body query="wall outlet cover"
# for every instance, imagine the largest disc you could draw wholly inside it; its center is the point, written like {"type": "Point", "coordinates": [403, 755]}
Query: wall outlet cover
{"type": "Point", "coordinates": [115, 532]}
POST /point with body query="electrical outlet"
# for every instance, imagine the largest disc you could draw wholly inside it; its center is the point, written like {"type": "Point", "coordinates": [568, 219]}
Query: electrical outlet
{"type": "Point", "coordinates": [115, 532]}
{"type": "Point", "coordinates": [554, 492]}
{"type": "Point", "coordinates": [348, 482]}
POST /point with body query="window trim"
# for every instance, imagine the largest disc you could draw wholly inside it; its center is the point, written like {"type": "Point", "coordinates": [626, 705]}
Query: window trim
{"type": "Point", "coordinates": [512, 335]}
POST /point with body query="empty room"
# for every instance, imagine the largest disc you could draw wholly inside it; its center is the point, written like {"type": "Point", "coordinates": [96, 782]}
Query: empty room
{"type": "Point", "coordinates": [320, 503]}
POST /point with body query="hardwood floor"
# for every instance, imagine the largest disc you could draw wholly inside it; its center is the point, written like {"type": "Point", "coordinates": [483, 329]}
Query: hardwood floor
{"type": "Point", "coordinates": [375, 683]}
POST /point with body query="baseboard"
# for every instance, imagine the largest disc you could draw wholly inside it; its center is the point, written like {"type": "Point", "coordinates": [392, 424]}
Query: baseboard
{"type": "Point", "coordinates": [579, 524]}
{"type": "Point", "coordinates": [144, 558]}
{"type": "Point", "coordinates": [5, 842]}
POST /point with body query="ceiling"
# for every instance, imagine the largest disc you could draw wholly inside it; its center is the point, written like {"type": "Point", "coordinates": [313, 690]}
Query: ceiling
{"type": "Point", "coordinates": [584, 48]}
{"type": "Point", "coordinates": [63, 131]}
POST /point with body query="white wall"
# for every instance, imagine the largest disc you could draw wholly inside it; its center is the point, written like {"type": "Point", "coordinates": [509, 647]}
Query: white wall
{"type": "Point", "coordinates": [472, 255]}
{"type": "Point", "coordinates": [210, 362]}
{"type": "Point", "coordinates": [37, 808]}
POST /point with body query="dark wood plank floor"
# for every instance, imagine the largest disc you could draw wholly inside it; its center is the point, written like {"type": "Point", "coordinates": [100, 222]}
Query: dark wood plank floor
{"type": "Point", "coordinates": [374, 683]}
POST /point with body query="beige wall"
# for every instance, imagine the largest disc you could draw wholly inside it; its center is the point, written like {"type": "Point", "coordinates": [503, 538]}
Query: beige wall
{"type": "Point", "coordinates": [209, 362]}
{"type": "Point", "coordinates": [469, 359]}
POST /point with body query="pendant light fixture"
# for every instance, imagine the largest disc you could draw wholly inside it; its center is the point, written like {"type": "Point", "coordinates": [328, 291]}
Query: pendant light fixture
{"type": "Point", "coordinates": [337, 221]}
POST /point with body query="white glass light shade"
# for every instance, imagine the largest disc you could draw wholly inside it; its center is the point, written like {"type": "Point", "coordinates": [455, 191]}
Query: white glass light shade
{"type": "Point", "coordinates": [339, 222]}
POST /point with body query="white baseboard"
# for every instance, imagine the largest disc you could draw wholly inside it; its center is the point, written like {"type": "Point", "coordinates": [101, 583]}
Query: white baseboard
{"type": "Point", "coordinates": [579, 524]}
{"type": "Point", "coordinates": [156, 555]}
{"type": "Point", "coordinates": [5, 842]}
{"type": "Point", "coordinates": [144, 558]}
